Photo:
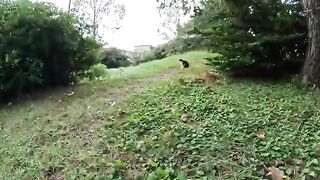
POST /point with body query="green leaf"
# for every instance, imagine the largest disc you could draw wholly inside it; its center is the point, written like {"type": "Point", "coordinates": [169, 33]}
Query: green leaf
{"type": "Point", "coordinates": [265, 154]}
{"type": "Point", "coordinates": [312, 173]}
{"type": "Point", "coordinates": [289, 171]}
{"type": "Point", "coordinates": [152, 176]}
{"type": "Point", "coordinates": [162, 173]}
{"type": "Point", "coordinates": [152, 163]}
{"type": "Point", "coordinates": [181, 176]}
{"type": "Point", "coordinates": [315, 162]}
{"type": "Point", "coordinates": [119, 164]}
{"type": "Point", "coordinates": [306, 171]}
{"type": "Point", "coordinates": [200, 173]}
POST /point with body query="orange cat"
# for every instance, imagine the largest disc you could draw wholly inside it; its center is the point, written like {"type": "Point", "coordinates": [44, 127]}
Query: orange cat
{"type": "Point", "coordinates": [210, 77]}
{"type": "Point", "coordinates": [207, 78]}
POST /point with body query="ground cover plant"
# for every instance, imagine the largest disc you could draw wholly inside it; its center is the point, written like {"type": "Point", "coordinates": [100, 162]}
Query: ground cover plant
{"type": "Point", "coordinates": [153, 127]}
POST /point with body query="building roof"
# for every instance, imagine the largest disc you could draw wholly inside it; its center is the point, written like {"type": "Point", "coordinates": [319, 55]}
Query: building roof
{"type": "Point", "coordinates": [142, 45]}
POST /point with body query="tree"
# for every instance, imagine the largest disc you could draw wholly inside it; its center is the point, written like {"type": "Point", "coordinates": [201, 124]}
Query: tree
{"type": "Point", "coordinates": [5, 1]}
{"type": "Point", "coordinates": [172, 14]}
{"type": "Point", "coordinates": [41, 46]}
{"type": "Point", "coordinates": [69, 5]}
{"type": "Point", "coordinates": [99, 14]}
{"type": "Point", "coordinates": [263, 35]}
{"type": "Point", "coordinates": [114, 58]}
{"type": "Point", "coordinates": [311, 70]}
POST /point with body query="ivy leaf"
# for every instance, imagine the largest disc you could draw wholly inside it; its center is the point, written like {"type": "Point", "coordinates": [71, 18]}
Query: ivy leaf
{"type": "Point", "coordinates": [313, 162]}
{"type": "Point", "coordinates": [181, 176]}
{"type": "Point", "coordinates": [200, 173]}
{"type": "Point", "coordinates": [152, 176]}
{"type": "Point", "coordinates": [119, 164]}
{"type": "Point", "coordinates": [312, 173]}
{"type": "Point", "coordinates": [162, 173]}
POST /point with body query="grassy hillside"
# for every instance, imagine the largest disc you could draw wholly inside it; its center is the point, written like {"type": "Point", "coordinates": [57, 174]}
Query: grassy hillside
{"type": "Point", "coordinates": [44, 135]}
{"type": "Point", "coordinates": [154, 129]}
{"type": "Point", "coordinates": [150, 68]}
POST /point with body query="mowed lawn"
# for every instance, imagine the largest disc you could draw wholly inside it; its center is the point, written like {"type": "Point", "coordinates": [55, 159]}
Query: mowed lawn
{"type": "Point", "coordinates": [231, 129]}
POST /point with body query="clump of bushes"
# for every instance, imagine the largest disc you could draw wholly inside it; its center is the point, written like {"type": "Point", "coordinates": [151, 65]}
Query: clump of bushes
{"type": "Point", "coordinates": [175, 46]}
{"type": "Point", "coordinates": [114, 58]}
{"type": "Point", "coordinates": [155, 54]}
{"type": "Point", "coordinates": [41, 46]}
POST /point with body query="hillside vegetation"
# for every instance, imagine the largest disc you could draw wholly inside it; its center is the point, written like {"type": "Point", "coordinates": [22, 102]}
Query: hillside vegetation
{"type": "Point", "coordinates": [156, 128]}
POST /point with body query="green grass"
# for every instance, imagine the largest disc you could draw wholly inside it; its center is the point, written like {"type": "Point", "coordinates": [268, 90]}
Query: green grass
{"type": "Point", "coordinates": [150, 68]}
{"type": "Point", "coordinates": [51, 131]}
{"type": "Point", "coordinates": [227, 130]}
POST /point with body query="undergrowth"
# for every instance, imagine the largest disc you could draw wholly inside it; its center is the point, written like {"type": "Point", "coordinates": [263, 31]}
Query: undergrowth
{"type": "Point", "coordinates": [232, 131]}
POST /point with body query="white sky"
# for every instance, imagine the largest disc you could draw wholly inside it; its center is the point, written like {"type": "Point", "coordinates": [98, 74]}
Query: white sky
{"type": "Point", "coordinates": [139, 26]}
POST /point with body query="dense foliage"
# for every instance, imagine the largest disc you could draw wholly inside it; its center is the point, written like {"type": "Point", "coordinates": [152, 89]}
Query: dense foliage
{"type": "Point", "coordinates": [264, 34]}
{"type": "Point", "coordinates": [181, 44]}
{"type": "Point", "coordinates": [40, 46]}
{"type": "Point", "coordinates": [217, 132]}
{"type": "Point", "coordinates": [115, 58]}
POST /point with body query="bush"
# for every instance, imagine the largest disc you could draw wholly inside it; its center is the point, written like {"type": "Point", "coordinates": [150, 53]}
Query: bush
{"type": "Point", "coordinates": [155, 54]}
{"type": "Point", "coordinates": [40, 46]}
{"type": "Point", "coordinates": [159, 52]}
{"type": "Point", "coordinates": [114, 58]}
{"type": "Point", "coordinates": [99, 72]}
{"type": "Point", "coordinates": [175, 46]}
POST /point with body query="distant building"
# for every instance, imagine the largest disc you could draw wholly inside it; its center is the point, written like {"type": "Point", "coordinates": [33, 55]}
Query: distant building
{"type": "Point", "coordinates": [143, 48]}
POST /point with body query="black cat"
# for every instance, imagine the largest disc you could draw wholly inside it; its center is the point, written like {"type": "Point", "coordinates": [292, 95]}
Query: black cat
{"type": "Point", "coordinates": [184, 63]}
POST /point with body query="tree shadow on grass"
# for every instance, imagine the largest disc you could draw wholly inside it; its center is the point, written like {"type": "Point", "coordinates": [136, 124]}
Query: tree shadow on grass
{"type": "Point", "coordinates": [267, 72]}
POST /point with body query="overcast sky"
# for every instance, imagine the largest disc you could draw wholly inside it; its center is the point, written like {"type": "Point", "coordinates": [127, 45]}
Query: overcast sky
{"type": "Point", "coordinates": [139, 26]}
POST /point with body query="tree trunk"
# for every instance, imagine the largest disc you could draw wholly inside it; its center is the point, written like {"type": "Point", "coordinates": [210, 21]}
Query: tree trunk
{"type": "Point", "coordinates": [69, 6]}
{"type": "Point", "coordinates": [95, 25]}
{"type": "Point", "coordinates": [311, 69]}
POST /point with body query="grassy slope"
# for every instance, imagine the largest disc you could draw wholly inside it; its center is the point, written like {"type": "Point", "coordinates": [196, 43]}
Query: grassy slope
{"type": "Point", "coordinates": [158, 66]}
{"type": "Point", "coordinates": [44, 135]}
{"type": "Point", "coordinates": [229, 130]}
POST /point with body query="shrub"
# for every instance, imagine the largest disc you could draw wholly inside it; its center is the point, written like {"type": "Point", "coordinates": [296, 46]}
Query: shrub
{"type": "Point", "coordinates": [175, 46]}
{"type": "Point", "coordinates": [17, 74]}
{"type": "Point", "coordinates": [148, 56]}
{"type": "Point", "coordinates": [157, 53]}
{"type": "Point", "coordinates": [87, 54]}
{"type": "Point", "coordinates": [98, 72]}
{"type": "Point", "coordinates": [40, 46]}
{"type": "Point", "coordinates": [114, 58]}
